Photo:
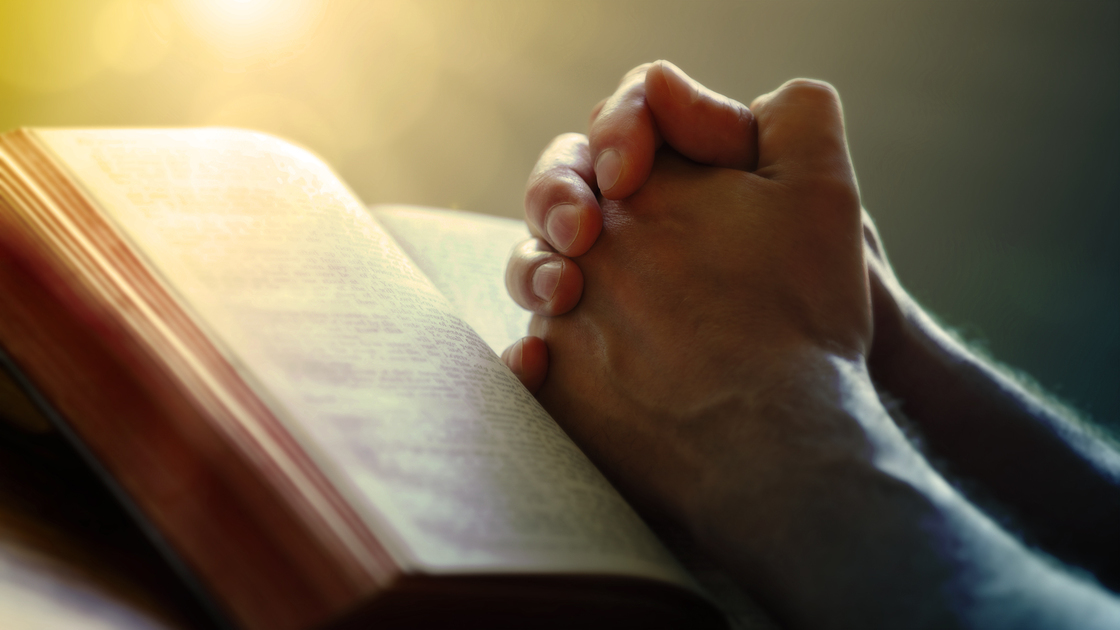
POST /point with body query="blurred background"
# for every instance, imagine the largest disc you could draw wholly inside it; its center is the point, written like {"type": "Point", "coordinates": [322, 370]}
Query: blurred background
{"type": "Point", "coordinates": [986, 135]}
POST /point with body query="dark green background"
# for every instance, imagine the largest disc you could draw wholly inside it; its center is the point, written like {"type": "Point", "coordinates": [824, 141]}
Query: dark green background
{"type": "Point", "coordinates": [985, 137]}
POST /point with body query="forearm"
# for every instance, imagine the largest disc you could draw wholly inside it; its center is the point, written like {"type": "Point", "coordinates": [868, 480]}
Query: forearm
{"type": "Point", "coordinates": [868, 550]}
{"type": "Point", "coordinates": [1031, 455]}
{"type": "Point", "coordinates": [873, 537]}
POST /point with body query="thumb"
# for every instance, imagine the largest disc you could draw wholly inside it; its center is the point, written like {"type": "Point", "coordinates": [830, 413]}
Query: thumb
{"type": "Point", "coordinates": [801, 130]}
{"type": "Point", "coordinates": [527, 358]}
{"type": "Point", "coordinates": [700, 124]}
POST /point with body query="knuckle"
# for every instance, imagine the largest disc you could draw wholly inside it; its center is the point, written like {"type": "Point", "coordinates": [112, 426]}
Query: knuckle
{"type": "Point", "coordinates": [638, 71]}
{"type": "Point", "coordinates": [810, 91]}
{"type": "Point", "coordinates": [561, 148]}
{"type": "Point", "coordinates": [531, 249]}
{"type": "Point", "coordinates": [810, 87]}
{"type": "Point", "coordinates": [524, 254]}
{"type": "Point", "coordinates": [744, 117]}
{"type": "Point", "coordinates": [554, 184]}
{"type": "Point", "coordinates": [838, 192]}
{"type": "Point", "coordinates": [566, 141]}
{"type": "Point", "coordinates": [598, 109]}
{"type": "Point", "coordinates": [837, 183]}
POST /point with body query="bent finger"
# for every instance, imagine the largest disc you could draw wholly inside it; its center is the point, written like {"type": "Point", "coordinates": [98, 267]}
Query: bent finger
{"type": "Point", "coordinates": [527, 358]}
{"type": "Point", "coordinates": [560, 204]}
{"type": "Point", "coordinates": [801, 129]}
{"type": "Point", "coordinates": [700, 124]}
{"type": "Point", "coordinates": [623, 138]}
{"type": "Point", "coordinates": [598, 108]}
{"type": "Point", "coordinates": [541, 280]}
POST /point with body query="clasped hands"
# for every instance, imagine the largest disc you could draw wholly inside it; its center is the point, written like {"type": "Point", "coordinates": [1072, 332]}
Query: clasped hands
{"type": "Point", "coordinates": [707, 264]}
{"type": "Point", "coordinates": [710, 303]}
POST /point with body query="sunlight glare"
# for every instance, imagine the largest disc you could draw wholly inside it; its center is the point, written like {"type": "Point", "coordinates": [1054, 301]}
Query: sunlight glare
{"type": "Point", "coordinates": [130, 36]}
{"type": "Point", "coordinates": [250, 34]}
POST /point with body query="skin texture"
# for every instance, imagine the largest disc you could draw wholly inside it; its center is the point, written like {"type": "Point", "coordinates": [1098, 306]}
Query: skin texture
{"type": "Point", "coordinates": [716, 368]}
{"type": "Point", "coordinates": [635, 121]}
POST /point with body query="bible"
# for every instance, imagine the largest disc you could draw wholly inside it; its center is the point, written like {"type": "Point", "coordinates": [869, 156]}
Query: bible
{"type": "Point", "coordinates": [298, 397]}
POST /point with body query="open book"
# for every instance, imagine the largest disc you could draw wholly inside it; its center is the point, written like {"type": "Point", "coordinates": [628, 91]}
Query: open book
{"type": "Point", "coordinates": [299, 397]}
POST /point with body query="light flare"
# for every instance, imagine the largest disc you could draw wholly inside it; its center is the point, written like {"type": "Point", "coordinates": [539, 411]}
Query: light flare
{"type": "Point", "coordinates": [249, 34]}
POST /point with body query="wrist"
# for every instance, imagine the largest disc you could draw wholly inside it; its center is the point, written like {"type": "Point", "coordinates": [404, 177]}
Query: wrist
{"type": "Point", "coordinates": [873, 547]}
{"type": "Point", "coordinates": [815, 424]}
{"type": "Point", "coordinates": [818, 508]}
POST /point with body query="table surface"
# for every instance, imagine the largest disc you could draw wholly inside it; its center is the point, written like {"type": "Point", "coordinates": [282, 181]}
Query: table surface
{"type": "Point", "coordinates": [70, 556]}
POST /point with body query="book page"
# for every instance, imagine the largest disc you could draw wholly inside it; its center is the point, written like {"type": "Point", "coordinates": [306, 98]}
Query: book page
{"type": "Point", "coordinates": [464, 254]}
{"type": "Point", "coordinates": [453, 464]}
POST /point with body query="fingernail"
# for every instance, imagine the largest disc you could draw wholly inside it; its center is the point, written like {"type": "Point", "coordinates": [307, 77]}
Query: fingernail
{"type": "Point", "coordinates": [562, 225]}
{"type": "Point", "coordinates": [608, 166]}
{"type": "Point", "coordinates": [546, 278]}
{"type": "Point", "coordinates": [516, 356]}
{"type": "Point", "coordinates": [681, 87]}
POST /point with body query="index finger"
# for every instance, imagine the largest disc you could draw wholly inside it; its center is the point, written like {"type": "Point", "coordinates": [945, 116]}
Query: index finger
{"type": "Point", "coordinates": [658, 103]}
{"type": "Point", "coordinates": [624, 137]}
